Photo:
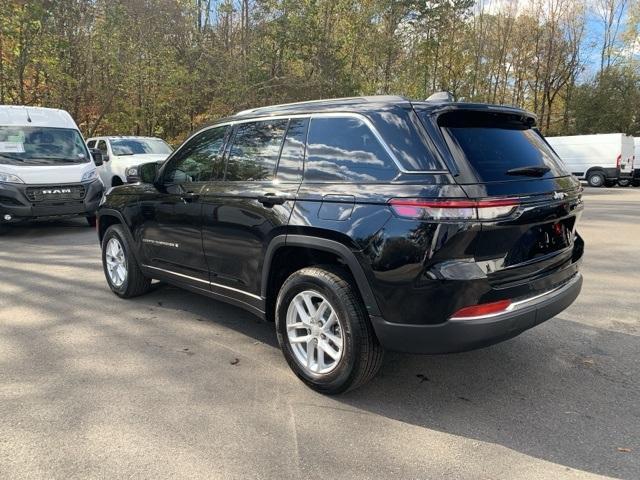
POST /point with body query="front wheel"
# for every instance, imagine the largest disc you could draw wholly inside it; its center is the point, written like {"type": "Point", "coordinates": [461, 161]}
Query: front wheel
{"type": "Point", "coordinates": [596, 179]}
{"type": "Point", "coordinates": [120, 265]}
{"type": "Point", "coordinates": [324, 331]}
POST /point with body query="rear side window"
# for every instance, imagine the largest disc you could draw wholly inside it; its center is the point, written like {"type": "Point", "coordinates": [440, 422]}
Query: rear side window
{"type": "Point", "coordinates": [499, 147]}
{"type": "Point", "coordinates": [255, 150]}
{"type": "Point", "coordinates": [346, 150]}
{"type": "Point", "coordinates": [292, 156]}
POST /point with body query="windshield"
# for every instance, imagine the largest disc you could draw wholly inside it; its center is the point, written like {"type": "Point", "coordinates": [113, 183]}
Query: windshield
{"type": "Point", "coordinates": [499, 147]}
{"type": "Point", "coordinates": [41, 146]}
{"type": "Point", "coordinates": [139, 146]}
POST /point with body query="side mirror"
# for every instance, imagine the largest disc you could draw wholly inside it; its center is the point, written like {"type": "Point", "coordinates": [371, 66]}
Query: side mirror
{"type": "Point", "coordinates": [97, 156]}
{"type": "Point", "coordinates": [147, 172]}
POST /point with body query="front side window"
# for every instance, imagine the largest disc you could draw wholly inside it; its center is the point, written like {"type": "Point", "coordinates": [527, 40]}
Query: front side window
{"type": "Point", "coordinates": [346, 150]}
{"type": "Point", "coordinates": [102, 146]}
{"type": "Point", "coordinates": [199, 160]}
{"type": "Point", "coordinates": [255, 150]}
{"type": "Point", "coordinates": [139, 146]}
{"type": "Point", "coordinates": [41, 146]}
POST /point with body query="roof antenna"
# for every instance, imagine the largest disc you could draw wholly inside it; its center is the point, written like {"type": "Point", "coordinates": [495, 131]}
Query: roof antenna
{"type": "Point", "coordinates": [28, 116]}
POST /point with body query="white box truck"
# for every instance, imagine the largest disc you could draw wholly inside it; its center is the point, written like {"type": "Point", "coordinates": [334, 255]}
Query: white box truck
{"type": "Point", "coordinates": [46, 169]}
{"type": "Point", "coordinates": [601, 160]}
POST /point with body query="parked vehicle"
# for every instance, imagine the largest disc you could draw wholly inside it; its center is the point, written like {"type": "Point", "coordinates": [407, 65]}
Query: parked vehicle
{"type": "Point", "coordinates": [122, 155]}
{"type": "Point", "coordinates": [358, 225]}
{"type": "Point", "coordinates": [45, 167]}
{"type": "Point", "coordinates": [636, 162]}
{"type": "Point", "coordinates": [601, 160]}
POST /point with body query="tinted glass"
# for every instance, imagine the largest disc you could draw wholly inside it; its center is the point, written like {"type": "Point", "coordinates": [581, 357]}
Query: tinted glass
{"type": "Point", "coordinates": [255, 150]}
{"type": "Point", "coordinates": [41, 146]}
{"type": "Point", "coordinates": [199, 159]}
{"type": "Point", "coordinates": [493, 144]}
{"type": "Point", "coordinates": [139, 146]}
{"type": "Point", "coordinates": [406, 137]}
{"type": "Point", "coordinates": [292, 156]}
{"type": "Point", "coordinates": [346, 150]}
{"type": "Point", "coordinates": [102, 146]}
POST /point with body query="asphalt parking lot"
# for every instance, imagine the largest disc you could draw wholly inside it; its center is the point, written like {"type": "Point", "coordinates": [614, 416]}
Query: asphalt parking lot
{"type": "Point", "coordinates": [174, 385]}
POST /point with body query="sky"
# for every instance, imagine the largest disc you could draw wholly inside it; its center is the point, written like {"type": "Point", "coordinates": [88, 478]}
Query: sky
{"type": "Point", "coordinates": [594, 29]}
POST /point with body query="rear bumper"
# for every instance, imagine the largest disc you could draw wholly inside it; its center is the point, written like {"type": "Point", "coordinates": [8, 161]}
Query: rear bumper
{"type": "Point", "coordinates": [15, 203]}
{"type": "Point", "coordinates": [461, 335]}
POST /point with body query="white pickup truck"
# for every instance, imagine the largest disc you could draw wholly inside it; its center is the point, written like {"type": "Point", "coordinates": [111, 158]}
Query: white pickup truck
{"type": "Point", "coordinates": [122, 155]}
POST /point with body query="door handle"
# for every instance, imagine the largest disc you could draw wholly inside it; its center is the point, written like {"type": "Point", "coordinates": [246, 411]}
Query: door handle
{"type": "Point", "coordinates": [271, 199]}
{"type": "Point", "coordinates": [189, 197]}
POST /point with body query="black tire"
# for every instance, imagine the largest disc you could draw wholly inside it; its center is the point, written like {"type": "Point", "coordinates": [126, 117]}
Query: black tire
{"type": "Point", "coordinates": [135, 283]}
{"type": "Point", "coordinates": [636, 183]}
{"type": "Point", "coordinates": [596, 179]}
{"type": "Point", "coordinates": [362, 353]}
{"type": "Point", "coordinates": [91, 220]}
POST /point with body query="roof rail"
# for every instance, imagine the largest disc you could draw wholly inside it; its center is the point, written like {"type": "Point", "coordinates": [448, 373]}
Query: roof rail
{"type": "Point", "coordinates": [370, 98]}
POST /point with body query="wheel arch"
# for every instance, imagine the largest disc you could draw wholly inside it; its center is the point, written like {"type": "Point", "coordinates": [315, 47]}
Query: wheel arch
{"type": "Point", "coordinates": [116, 181]}
{"type": "Point", "coordinates": [106, 218]}
{"type": "Point", "coordinates": [326, 250]}
{"type": "Point", "coordinates": [594, 170]}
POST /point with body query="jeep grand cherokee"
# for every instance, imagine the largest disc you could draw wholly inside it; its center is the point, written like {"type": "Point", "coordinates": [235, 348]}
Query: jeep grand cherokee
{"type": "Point", "coordinates": [358, 225]}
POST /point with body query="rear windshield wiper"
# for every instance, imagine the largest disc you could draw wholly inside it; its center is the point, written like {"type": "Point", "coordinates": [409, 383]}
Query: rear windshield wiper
{"type": "Point", "coordinates": [532, 171]}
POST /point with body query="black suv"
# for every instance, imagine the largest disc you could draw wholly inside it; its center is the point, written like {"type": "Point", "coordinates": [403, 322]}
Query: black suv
{"type": "Point", "coordinates": [358, 225]}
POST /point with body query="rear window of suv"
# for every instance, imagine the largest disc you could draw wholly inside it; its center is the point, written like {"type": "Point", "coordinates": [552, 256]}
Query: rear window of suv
{"type": "Point", "coordinates": [499, 147]}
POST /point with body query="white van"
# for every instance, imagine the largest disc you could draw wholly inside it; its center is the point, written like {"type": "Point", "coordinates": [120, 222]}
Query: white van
{"type": "Point", "coordinates": [601, 159]}
{"type": "Point", "coordinates": [46, 169]}
{"type": "Point", "coordinates": [122, 156]}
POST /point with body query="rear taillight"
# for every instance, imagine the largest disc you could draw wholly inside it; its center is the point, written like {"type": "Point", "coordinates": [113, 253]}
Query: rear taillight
{"type": "Point", "coordinates": [453, 209]}
{"type": "Point", "coordinates": [483, 310]}
{"type": "Point", "coordinates": [618, 160]}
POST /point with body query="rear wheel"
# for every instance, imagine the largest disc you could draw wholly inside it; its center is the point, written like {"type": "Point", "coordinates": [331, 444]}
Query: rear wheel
{"type": "Point", "coordinates": [120, 265]}
{"type": "Point", "coordinates": [324, 331]}
{"type": "Point", "coordinates": [596, 179]}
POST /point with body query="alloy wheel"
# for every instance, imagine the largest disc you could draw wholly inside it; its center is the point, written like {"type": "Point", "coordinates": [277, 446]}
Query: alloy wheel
{"type": "Point", "coordinates": [314, 332]}
{"type": "Point", "coordinates": [116, 262]}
